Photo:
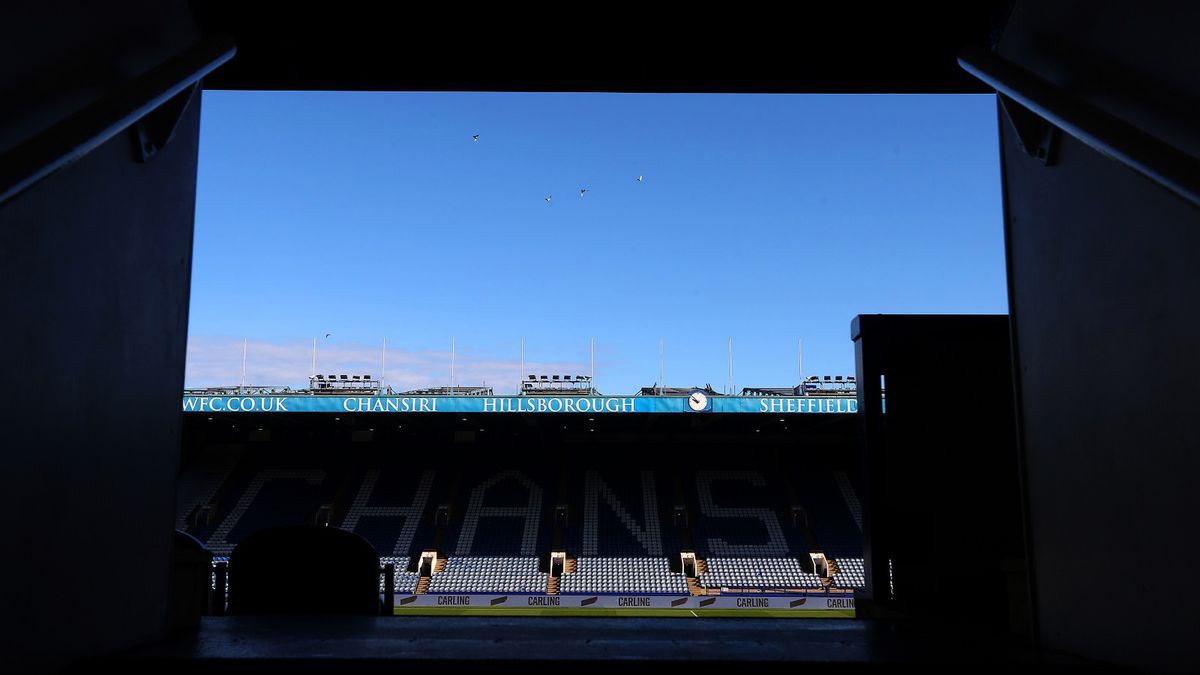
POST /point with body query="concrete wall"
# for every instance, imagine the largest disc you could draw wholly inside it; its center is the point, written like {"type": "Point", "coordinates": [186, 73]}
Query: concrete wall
{"type": "Point", "coordinates": [96, 267]}
{"type": "Point", "coordinates": [1104, 285]}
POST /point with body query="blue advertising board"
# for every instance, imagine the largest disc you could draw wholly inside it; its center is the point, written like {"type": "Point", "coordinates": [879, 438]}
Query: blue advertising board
{"type": "Point", "coordinates": [774, 405]}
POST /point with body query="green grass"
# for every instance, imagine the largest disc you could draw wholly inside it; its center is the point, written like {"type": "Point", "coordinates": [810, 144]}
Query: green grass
{"type": "Point", "coordinates": [611, 612]}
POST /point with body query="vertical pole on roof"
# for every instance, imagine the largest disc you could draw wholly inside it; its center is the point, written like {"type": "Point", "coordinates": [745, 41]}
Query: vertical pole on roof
{"type": "Point", "coordinates": [731, 387]}
{"type": "Point", "coordinates": [245, 341]}
{"type": "Point", "coordinates": [451, 366]}
{"type": "Point", "coordinates": [383, 366]}
{"type": "Point", "coordinates": [592, 357]}
{"type": "Point", "coordinates": [521, 375]}
{"type": "Point", "coordinates": [800, 361]}
{"type": "Point", "coordinates": [661, 368]}
{"type": "Point", "coordinates": [313, 375]}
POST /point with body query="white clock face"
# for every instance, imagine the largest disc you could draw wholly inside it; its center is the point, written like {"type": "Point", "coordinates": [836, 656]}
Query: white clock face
{"type": "Point", "coordinates": [697, 401]}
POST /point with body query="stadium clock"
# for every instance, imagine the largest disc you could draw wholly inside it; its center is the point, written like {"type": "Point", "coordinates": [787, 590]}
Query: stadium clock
{"type": "Point", "coordinates": [698, 400]}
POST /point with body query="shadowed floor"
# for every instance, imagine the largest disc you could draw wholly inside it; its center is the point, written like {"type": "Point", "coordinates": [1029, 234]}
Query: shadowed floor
{"type": "Point", "coordinates": [369, 644]}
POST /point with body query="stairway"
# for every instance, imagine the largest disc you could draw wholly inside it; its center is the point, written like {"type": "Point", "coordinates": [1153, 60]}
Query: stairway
{"type": "Point", "coordinates": [826, 582]}
{"type": "Point", "coordinates": [423, 582]}
{"type": "Point", "coordinates": [693, 583]}
{"type": "Point", "coordinates": [570, 565]}
{"type": "Point", "coordinates": [552, 585]}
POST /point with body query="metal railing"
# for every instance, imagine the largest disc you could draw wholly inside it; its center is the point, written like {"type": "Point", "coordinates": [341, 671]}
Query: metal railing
{"type": "Point", "coordinates": [89, 128]}
{"type": "Point", "coordinates": [1151, 157]}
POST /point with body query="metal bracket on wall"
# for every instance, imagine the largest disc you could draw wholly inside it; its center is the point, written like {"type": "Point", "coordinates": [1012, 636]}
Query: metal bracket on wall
{"type": "Point", "coordinates": [154, 131]}
{"type": "Point", "coordinates": [1036, 136]}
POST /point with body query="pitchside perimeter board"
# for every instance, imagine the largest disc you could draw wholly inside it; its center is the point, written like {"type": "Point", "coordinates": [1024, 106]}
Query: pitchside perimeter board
{"type": "Point", "coordinates": [808, 602]}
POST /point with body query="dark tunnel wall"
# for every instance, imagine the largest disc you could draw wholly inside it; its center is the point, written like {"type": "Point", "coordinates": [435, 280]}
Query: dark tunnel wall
{"type": "Point", "coordinates": [96, 262]}
{"type": "Point", "coordinates": [1104, 281]}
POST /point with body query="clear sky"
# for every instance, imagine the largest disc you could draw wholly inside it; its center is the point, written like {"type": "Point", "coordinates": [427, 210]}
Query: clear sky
{"type": "Point", "coordinates": [761, 218]}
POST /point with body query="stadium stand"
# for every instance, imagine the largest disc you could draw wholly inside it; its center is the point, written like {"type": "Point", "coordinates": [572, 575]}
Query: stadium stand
{"type": "Point", "coordinates": [290, 494]}
{"type": "Point", "coordinates": [622, 528]}
{"type": "Point", "coordinates": [739, 515]}
{"type": "Point", "coordinates": [645, 576]}
{"type": "Point", "coordinates": [835, 527]}
{"type": "Point", "coordinates": [758, 574]}
{"type": "Point", "coordinates": [408, 499]}
{"type": "Point", "coordinates": [199, 483]}
{"type": "Point", "coordinates": [489, 575]}
{"type": "Point", "coordinates": [849, 494]}
{"type": "Point", "coordinates": [503, 515]}
{"type": "Point", "coordinates": [619, 513]}
{"type": "Point", "coordinates": [850, 573]}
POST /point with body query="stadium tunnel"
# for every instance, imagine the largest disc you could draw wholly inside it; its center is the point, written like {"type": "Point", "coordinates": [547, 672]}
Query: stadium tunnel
{"type": "Point", "coordinates": [98, 154]}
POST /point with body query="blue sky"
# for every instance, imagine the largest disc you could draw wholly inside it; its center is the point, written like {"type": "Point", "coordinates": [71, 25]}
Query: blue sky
{"type": "Point", "coordinates": [761, 218]}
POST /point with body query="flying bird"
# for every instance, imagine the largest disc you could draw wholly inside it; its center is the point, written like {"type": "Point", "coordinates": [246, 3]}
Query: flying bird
{"type": "Point", "coordinates": [639, 178]}
{"type": "Point", "coordinates": [581, 191]}
{"type": "Point", "coordinates": [548, 198]}
{"type": "Point", "coordinates": [475, 138]}
{"type": "Point", "coordinates": [328, 334]}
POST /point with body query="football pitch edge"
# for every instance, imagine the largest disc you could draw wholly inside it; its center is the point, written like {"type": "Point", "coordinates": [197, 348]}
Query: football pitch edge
{"type": "Point", "coordinates": [630, 612]}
